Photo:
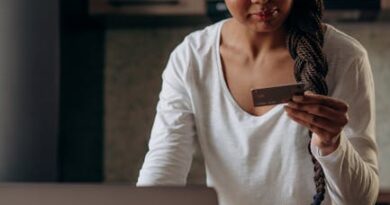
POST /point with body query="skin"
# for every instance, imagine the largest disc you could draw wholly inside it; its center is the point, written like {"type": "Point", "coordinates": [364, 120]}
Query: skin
{"type": "Point", "coordinates": [254, 55]}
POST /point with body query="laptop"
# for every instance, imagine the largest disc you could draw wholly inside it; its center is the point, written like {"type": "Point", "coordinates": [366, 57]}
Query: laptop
{"type": "Point", "coordinates": [104, 194]}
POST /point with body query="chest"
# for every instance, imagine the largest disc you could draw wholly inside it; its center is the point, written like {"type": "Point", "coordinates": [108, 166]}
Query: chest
{"type": "Point", "coordinates": [241, 76]}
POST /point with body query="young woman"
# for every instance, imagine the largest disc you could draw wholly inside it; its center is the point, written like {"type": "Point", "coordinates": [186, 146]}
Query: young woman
{"type": "Point", "coordinates": [266, 155]}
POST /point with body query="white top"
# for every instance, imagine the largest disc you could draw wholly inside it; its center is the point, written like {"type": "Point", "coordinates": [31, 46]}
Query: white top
{"type": "Point", "coordinates": [264, 160]}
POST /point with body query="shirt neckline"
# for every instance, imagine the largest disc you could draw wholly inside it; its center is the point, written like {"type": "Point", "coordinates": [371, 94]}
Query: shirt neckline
{"type": "Point", "coordinates": [226, 90]}
{"type": "Point", "coordinates": [223, 83]}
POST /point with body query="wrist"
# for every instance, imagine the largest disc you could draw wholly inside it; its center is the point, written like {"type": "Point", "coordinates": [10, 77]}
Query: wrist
{"type": "Point", "coordinates": [326, 148]}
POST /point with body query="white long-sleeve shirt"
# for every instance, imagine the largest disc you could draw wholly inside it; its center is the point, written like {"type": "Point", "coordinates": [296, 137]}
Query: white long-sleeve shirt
{"type": "Point", "coordinates": [252, 160]}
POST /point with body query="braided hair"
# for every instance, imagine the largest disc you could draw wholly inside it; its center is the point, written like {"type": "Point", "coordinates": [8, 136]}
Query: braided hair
{"type": "Point", "coordinates": [305, 41]}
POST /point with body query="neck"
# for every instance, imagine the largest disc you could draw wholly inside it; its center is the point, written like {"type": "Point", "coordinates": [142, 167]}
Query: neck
{"type": "Point", "coordinates": [257, 43]}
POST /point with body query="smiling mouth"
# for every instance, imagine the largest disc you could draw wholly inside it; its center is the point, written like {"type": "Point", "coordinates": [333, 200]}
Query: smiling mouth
{"type": "Point", "coordinates": [266, 14]}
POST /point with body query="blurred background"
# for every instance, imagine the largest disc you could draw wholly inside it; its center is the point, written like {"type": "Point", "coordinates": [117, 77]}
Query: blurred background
{"type": "Point", "coordinates": [79, 81]}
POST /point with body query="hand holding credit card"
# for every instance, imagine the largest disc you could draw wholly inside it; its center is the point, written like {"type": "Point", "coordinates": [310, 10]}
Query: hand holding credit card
{"type": "Point", "coordinates": [277, 94]}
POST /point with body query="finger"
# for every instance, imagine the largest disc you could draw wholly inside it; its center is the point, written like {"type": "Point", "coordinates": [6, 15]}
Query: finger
{"type": "Point", "coordinates": [303, 123]}
{"type": "Point", "coordinates": [324, 137]}
{"type": "Point", "coordinates": [311, 98]}
{"type": "Point", "coordinates": [313, 120]}
{"type": "Point", "coordinates": [323, 111]}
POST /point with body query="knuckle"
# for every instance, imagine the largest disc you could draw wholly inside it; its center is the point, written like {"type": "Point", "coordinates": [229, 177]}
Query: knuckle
{"type": "Point", "coordinates": [319, 109]}
{"type": "Point", "coordinates": [299, 113]}
{"type": "Point", "coordinates": [338, 130]}
{"type": "Point", "coordinates": [347, 117]}
{"type": "Point", "coordinates": [315, 119]}
{"type": "Point", "coordinates": [294, 112]}
{"type": "Point", "coordinates": [323, 101]}
{"type": "Point", "coordinates": [344, 106]}
{"type": "Point", "coordinates": [345, 120]}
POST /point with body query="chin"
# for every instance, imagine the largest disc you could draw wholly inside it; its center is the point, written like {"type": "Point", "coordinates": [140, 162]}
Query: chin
{"type": "Point", "coordinates": [265, 27]}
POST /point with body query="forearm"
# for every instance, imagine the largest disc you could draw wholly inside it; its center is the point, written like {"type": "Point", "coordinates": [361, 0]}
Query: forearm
{"type": "Point", "coordinates": [350, 179]}
{"type": "Point", "coordinates": [171, 148]}
{"type": "Point", "coordinates": [163, 166]}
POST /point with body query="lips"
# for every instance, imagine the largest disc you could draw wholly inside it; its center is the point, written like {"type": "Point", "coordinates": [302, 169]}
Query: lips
{"type": "Point", "coordinates": [265, 14]}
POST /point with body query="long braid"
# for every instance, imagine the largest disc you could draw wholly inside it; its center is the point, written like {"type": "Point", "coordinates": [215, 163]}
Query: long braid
{"type": "Point", "coordinates": [305, 41]}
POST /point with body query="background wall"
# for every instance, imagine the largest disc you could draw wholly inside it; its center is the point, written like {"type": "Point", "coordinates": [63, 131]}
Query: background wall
{"type": "Point", "coordinates": [135, 59]}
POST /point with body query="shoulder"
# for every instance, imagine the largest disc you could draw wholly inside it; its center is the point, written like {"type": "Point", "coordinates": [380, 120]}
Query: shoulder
{"type": "Point", "coordinates": [201, 40]}
{"type": "Point", "coordinates": [342, 51]}
{"type": "Point", "coordinates": [193, 51]}
{"type": "Point", "coordinates": [347, 60]}
{"type": "Point", "coordinates": [339, 45]}
{"type": "Point", "coordinates": [196, 49]}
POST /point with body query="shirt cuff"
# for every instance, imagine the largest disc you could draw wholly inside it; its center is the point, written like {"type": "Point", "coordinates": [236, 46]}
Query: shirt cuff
{"type": "Point", "coordinates": [335, 155]}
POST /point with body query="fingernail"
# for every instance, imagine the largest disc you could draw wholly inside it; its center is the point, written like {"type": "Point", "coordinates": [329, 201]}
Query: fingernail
{"type": "Point", "coordinates": [308, 92]}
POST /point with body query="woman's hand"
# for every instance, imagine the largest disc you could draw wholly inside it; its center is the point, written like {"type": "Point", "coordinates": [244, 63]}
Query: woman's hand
{"type": "Point", "coordinates": [323, 115]}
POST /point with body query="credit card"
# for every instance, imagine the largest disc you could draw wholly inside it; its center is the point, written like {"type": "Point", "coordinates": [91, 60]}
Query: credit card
{"type": "Point", "coordinates": [277, 94]}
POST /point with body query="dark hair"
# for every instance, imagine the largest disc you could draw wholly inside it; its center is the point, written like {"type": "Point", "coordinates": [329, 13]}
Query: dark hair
{"type": "Point", "coordinates": [305, 41]}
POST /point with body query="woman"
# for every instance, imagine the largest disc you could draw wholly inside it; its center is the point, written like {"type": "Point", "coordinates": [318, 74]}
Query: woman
{"type": "Point", "coordinates": [266, 155]}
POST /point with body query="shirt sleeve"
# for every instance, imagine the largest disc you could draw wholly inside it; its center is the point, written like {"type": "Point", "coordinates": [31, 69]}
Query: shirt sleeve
{"type": "Point", "coordinates": [351, 171]}
{"type": "Point", "coordinates": [171, 144]}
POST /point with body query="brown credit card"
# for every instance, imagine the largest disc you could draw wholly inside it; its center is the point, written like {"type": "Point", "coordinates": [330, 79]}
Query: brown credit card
{"type": "Point", "coordinates": [277, 94]}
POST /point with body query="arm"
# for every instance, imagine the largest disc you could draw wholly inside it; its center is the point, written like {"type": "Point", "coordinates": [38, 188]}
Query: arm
{"type": "Point", "coordinates": [352, 169]}
{"type": "Point", "coordinates": [171, 144]}
{"type": "Point", "coordinates": [346, 149]}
